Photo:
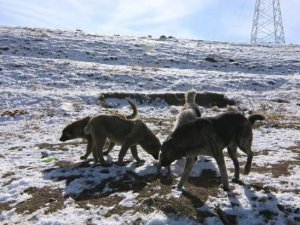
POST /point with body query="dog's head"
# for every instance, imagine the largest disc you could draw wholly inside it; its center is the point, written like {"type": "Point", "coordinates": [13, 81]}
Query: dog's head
{"type": "Point", "coordinates": [74, 129]}
{"type": "Point", "coordinates": [151, 144]}
{"type": "Point", "coordinates": [67, 134]}
{"type": "Point", "coordinates": [169, 152]}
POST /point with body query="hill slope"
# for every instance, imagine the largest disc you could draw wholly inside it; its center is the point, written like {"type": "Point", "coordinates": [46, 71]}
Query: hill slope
{"type": "Point", "coordinates": [49, 78]}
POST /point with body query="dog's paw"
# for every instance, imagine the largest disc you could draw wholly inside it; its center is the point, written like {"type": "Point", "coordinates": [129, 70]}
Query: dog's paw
{"type": "Point", "coordinates": [106, 164]}
{"type": "Point", "coordinates": [120, 163]}
{"type": "Point", "coordinates": [83, 157]}
{"type": "Point", "coordinates": [237, 181]}
{"type": "Point", "coordinates": [225, 188]}
{"type": "Point", "coordinates": [105, 153]}
{"type": "Point", "coordinates": [246, 172]}
{"type": "Point", "coordinates": [234, 180]}
{"type": "Point", "coordinates": [178, 187]}
{"type": "Point", "coordinates": [141, 162]}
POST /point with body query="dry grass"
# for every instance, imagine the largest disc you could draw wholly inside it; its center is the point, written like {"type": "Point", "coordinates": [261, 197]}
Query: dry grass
{"type": "Point", "coordinates": [14, 112]}
{"type": "Point", "coordinates": [50, 199]}
{"type": "Point", "coordinates": [278, 118]}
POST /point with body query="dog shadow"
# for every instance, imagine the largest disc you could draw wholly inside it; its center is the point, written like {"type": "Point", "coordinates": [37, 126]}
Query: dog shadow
{"type": "Point", "coordinates": [262, 202]}
{"type": "Point", "coordinates": [263, 206]}
{"type": "Point", "coordinates": [205, 174]}
{"type": "Point", "coordinates": [85, 180]}
{"type": "Point", "coordinates": [266, 204]}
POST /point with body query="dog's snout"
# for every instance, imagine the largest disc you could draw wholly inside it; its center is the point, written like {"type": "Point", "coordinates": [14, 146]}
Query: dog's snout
{"type": "Point", "coordinates": [62, 138]}
{"type": "Point", "coordinates": [164, 163]}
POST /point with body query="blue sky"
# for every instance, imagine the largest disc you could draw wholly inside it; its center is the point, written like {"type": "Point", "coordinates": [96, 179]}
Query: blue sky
{"type": "Point", "coordinates": [220, 20]}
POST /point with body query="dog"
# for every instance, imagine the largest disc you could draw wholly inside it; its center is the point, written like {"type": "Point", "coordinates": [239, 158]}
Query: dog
{"type": "Point", "coordinates": [125, 132]}
{"type": "Point", "coordinates": [209, 136]}
{"type": "Point", "coordinates": [76, 130]}
{"type": "Point", "coordinates": [189, 112]}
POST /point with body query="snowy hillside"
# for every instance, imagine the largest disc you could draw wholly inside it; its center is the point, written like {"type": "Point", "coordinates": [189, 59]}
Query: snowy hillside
{"type": "Point", "coordinates": [49, 78]}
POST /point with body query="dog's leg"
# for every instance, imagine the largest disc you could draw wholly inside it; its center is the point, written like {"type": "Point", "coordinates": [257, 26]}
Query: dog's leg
{"type": "Point", "coordinates": [168, 170]}
{"type": "Point", "coordinates": [232, 150]}
{"type": "Point", "coordinates": [247, 167]}
{"type": "Point", "coordinates": [110, 147]}
{"type": "Point", "coordinates": [122, 153]}
{"type": "Point", "coordinates": [246, 147]}
{"type": "Point", "coordinates": [222, 168]}
{"type": "Point", "coordinates": [249, 163]}
{"type": "Point", "coordinates": [88, 148]}
{"type": "Point", "coordinates": [98, 151]}
{"type": "Point", "coordinates": [189, 163]}
{"type": "Point", "coordinates": [134, 153]}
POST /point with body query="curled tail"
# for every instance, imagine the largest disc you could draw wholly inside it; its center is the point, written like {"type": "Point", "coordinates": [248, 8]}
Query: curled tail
{"type": "Point", "coordinates": [131, 116]}
{"type": "Point", "coordinates": [134, 111]}
{"type": "Point", "coordinates": [190, 97]}
{"type": "Point", "coordinates": [255, 117]}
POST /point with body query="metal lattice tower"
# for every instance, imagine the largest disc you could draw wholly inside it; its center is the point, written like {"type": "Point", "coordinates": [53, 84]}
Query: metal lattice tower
{"type": "Point", "coordinates": [267, 23]}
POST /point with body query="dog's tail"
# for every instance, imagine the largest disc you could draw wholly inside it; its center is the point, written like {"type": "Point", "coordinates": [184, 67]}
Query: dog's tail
{"type": "Point", "coordinates": [255, 117]}
{"type": "Point", "coordinates": [132, 116]}
{"type": "Point", "coordinates": [134, 111]}
{"type": "Point", "coordinates": [190, 96]}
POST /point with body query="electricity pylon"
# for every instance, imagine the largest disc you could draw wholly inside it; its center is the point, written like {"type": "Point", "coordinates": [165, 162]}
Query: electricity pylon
{"type": "Point", "coordinates": [267, 25]}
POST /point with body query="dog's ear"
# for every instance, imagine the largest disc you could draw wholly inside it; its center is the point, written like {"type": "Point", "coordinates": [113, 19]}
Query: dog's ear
{"type": "Point", "coordinates": [166, 144]}
{"type": "Point", "coordinates": [67, 132]}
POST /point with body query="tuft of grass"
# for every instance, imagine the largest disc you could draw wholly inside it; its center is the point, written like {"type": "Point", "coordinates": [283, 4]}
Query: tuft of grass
{"type": "Point", "coordinates": [278, 118]}
{"type": "Point", "coordinates": [14, 112]}
{"type": "Point", "coordinates": [210, 59]}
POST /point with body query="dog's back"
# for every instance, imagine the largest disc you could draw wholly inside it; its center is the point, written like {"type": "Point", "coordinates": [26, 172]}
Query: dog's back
{"type": "Point", "coordinates": [234, 127]}
{"type": "Point", "coordinates": [225, 128]}
{"type": "Point", "coordinates": [124, 132]}
{"type": "Point", "coordinates": [230, 126]}
{"type": "Point", "coordinates": [111, 126]}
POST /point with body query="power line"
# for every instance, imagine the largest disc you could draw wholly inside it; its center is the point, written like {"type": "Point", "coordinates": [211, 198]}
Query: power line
{"type": "Point", "coordinates": [267, 23]}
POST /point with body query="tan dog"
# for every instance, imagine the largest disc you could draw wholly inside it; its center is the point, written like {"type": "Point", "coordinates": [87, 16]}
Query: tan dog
{"type": "Point", "coordinates": [128, 133]}
{"type": "Point", "coordinates": [189, 112]}
{"type": "Point", "coordinates": [209, 136]}
{"type": "Point", "coordinates": [76, 130]}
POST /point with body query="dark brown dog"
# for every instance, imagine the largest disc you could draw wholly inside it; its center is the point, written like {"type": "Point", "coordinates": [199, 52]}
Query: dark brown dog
{"type": "Point", "coordinates": [127, 133]}
{"type": "Point", "coordinates": [190, 111]}
{"type": "Point", "coordinates": [209, 136]}
{"type": "Point", "coordinates": [76, 130]}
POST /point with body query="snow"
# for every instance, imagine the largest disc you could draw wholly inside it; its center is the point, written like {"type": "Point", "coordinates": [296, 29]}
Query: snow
{"type": "Point", "coordinates": [57, 76]}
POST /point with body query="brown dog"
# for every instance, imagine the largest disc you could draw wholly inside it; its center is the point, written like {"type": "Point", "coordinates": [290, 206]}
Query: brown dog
{"type": "Point", "coordinates": [76, 130]}
{"type": "Point", "coordinates": [209, 136]}
{"type": "Point", "coordinates": [127, 133]}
